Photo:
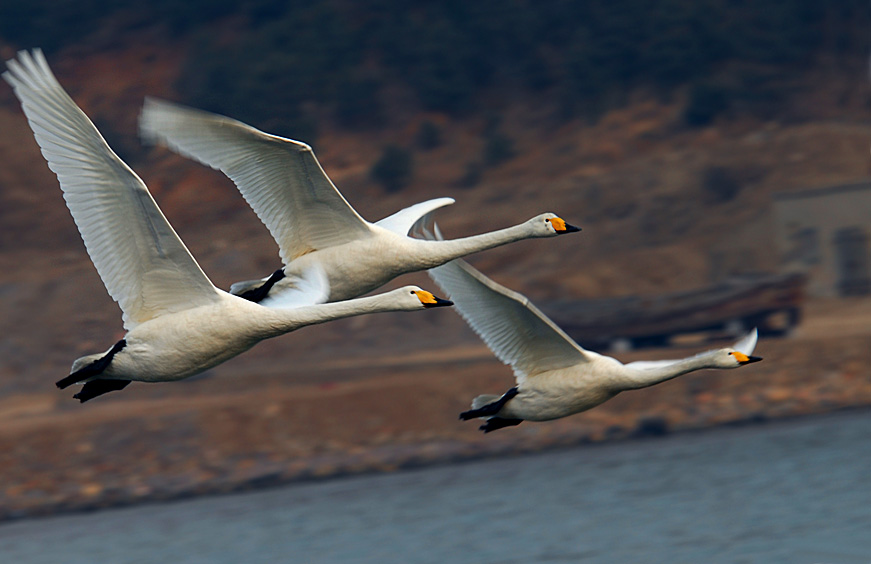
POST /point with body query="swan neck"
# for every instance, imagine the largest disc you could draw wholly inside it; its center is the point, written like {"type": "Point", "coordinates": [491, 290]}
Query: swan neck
{"type": "Point", "coordinates": [440, 252]}
{"type": "Point", "coordinates": [287, 320]}
{"type": "Point", "coordinates": [638, 377]}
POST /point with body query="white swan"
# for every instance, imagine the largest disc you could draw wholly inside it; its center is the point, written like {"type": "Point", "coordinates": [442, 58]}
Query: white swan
{"type": "Point", "coordinates": [307, 216]}
{"type": "Point", "coordinates": [178, 324]}
{"type": "Point", "coordinates": [555, 376]}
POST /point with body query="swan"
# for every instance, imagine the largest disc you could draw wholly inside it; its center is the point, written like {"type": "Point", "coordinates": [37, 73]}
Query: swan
{"type": "Point", "coordinates": [311, 221]}
{"type": "Point", "coordinates": [177, 322]}
{"type": "Point", "coordinates": [555, 376]}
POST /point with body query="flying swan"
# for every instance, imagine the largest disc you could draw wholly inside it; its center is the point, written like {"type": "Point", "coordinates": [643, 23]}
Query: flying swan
{"type": "Point", "coordinates": [178, 324]}
{"type": "Point", "coordinates": [307, 216]}
{"type": "Point", "coordinates": [555, 376]}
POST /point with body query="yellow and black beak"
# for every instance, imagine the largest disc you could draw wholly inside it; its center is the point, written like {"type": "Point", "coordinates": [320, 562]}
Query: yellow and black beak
{"type": "Point", "coordinates": [560, 226]}
{"type": "Point", "coordinates": [428, 300]}
{"type": "Point", "coordinates": [744, 359]}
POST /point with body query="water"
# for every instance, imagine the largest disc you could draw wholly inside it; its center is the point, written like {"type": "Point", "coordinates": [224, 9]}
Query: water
{"type": "Point", "coordinates": [794, 492]}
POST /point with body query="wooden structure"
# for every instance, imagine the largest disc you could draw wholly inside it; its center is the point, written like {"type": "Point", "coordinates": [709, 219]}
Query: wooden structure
{"type": "Point", "coordinates": [770, 302]}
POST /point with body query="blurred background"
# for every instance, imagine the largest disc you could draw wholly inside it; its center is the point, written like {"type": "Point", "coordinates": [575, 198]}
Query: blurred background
{"type": "Point", "coordinates": [716, 155]}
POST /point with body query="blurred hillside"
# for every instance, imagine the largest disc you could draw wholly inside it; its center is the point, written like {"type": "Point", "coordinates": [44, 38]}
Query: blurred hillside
{"type": "Point", "coordinates": [661, 129]}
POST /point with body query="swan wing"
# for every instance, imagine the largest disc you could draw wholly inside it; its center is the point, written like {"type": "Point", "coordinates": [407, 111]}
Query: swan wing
{"type": "Point", "coordinates": [747, 342]}
{"type": "Point", "coordinates": [312, 287]}
{"type": "Point", "coordinates": [517, 332]}
{"type": "Point", "coordinates": [281, 179]}
{"type": "Point", "coordinates": [144, 265]}
{"type": "Point", "coordinates": [405, 219]}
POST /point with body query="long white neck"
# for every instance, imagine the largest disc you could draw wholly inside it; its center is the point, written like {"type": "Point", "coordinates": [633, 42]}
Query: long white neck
{"type": "Point", "coordinates": [644, 374]}
{"type": "Point", "coordinates": [282, 321]}
{"type": "Point", "coordinates": [435, 253]}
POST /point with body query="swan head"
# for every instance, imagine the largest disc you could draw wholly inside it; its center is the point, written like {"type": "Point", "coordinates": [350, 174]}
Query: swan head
{"type": "Point", "coordinates": [551, 225]}
{"type": "Point", "coordinates": [417, 298]}
{"type": "Point", "coordinates": [741, 353]}
{"type": "Point", "coordinates": [731, 358]}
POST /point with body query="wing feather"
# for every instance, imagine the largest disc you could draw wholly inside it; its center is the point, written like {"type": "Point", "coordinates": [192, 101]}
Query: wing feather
{"type": "Point", "coordinates": [517, 332]}
{"type": "Point", "coordinates": [311, 287]}
{"type": "Point", "coordinates": [405, 219]}
{"type": "Point", "coordinates": [144, 265]}
{"type": "Point", "coordinates": [281, 179]}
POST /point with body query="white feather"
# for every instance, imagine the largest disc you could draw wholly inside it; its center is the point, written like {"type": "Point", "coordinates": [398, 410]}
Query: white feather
{"type": "Point", "coordinates": [404, 220]}
{"type": "Point", "coordinates": [142, 262]}
{"type": "Point", "coordinates": [310, 288]}
{"type": "Point", "coordinates": [517, 332]}
{"type": "Point", "coordinates": [281, 179]}
{"type": "Point", "coordinates": [748, 343]}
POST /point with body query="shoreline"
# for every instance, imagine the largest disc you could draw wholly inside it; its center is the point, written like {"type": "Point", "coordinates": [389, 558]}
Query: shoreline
{"type": "Point", "coordinates": [398, 458]}
{"type": "Point", "coordinates": [261, 428]}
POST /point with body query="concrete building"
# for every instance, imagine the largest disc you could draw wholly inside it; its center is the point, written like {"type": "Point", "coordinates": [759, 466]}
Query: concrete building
{"type": "Point", "coordinates": [826, 233]}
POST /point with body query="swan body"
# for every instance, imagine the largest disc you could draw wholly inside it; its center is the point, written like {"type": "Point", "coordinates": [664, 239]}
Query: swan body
{"type": "Point", "coordinates": [176, 346]}
{"type": "Point", "coordinates": [311, 221]}
{"type": "Point", "coordinates": [555, 376]}
{"type": "Point", "coordinates": [178, 323]}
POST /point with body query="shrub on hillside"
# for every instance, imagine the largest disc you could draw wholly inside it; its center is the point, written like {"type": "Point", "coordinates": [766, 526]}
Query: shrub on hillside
{"type": "Point", "coordinates": [393, 169]}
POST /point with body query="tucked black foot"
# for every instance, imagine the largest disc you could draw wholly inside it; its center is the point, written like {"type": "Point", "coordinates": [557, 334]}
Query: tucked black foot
{"type": "Point", "coordinates": [260, 292]}
{"type": "Point", "coordinates": [499, 422]}
{"type": "Point", "coordinates": [93, 369]}
{"type": "Point", "coordinates": [96, 388]}
{"type": "Point", "coordinates": [491, 408]}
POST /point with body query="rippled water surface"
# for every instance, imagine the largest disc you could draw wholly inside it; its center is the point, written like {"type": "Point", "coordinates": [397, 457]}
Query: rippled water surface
{"type": "Point", "coordinates": [795, 492]}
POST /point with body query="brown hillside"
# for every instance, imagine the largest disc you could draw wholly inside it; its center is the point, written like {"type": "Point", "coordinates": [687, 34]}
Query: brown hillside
{"type": "Point", "coordinates": [635, 181]}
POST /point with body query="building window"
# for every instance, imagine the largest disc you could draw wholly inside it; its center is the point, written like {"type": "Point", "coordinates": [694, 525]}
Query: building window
{"type": "Point", "coordinates": [852, 261]}
{"type": "Point", "coordinates": [804, 246]}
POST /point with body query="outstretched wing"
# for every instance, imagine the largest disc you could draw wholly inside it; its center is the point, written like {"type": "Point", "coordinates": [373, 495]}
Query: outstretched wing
{"type": "Point", "coordinates": [280, 179]}
{"type": "Point", "coordinates": [144, 265]}
{"type": "Point", "coordinates": [516, 331]}
{"type": "Point", "coordinates": [405, 219]}
{"type": "Point", "coordinates": [747, 343]}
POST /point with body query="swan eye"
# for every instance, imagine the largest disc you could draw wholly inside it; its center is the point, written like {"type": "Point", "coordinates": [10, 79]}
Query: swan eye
{"type": "Point", "coordinates": [412, 292]}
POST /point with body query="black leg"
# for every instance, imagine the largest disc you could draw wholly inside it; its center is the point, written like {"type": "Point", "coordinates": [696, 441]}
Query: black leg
{"type": "Point", "coordinates": [498, 422]}
{"type": "Point", "coordinates": [491, 408]}
{"type": "Point", "coordinates": [98, 387]}
{"type": "Point", "coordinates": [93, 369]}
{"type": "Point", "coordinates": [259, 293]}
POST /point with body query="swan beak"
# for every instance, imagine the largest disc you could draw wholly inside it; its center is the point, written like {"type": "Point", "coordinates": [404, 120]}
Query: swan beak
{"type": "Point", "coordinates": [560, 226]}
{"type": "Point", "coordinates": [428, 300]}
{"type": "Point", "coordinates": [744, 359]}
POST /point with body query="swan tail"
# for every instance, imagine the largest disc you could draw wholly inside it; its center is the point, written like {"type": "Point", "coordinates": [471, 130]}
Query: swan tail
{"type": "Point", "coordinates": [240, 288]}
{"type": "Point", "coordinates": [483, 400]}
{"type": "Point", "coordinates": [88, 369]}
{"type": "Point", "coordinates": [488, 406]}
{"type": "Point", "coordinates": [256, 290]}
